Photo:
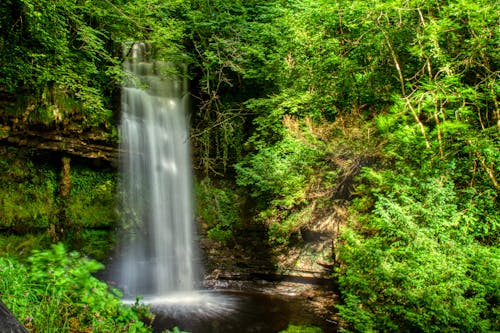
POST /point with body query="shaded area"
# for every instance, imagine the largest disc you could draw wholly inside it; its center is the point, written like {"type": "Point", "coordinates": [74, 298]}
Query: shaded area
{"type": "Point", "coordinates": [236, 311]}
{"type": "Point", "coordinates": [86, 145]}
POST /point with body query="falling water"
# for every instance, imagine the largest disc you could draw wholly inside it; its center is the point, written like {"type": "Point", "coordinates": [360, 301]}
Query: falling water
{"type": "Point", "coordinates": [157, 250]}
{"type": "Point", "coordinates": [158, 244]}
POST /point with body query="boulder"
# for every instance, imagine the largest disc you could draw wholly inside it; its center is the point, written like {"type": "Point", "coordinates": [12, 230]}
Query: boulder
{"type": "Point", "coordinates": [8, 322]}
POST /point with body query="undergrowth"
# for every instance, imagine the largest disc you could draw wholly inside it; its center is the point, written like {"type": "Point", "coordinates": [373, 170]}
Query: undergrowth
{"type": "Point", "coordinates": [54, 291]}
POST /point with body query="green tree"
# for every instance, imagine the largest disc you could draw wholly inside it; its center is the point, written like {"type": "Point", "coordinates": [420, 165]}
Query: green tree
{"type": "Point", "coordinates": [410, 264]}
{"type": "Point", "coordinates": [62, 59]}
{"type": "Point", "coordinates": [58, 54]}
{"type": "Point", "coordinates": [414, 254]}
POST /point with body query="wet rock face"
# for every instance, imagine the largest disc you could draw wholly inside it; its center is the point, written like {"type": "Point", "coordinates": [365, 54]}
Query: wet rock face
{"type": "Point", "coordinates": [90, 145]}
{"type": "Point", "coordinates": [250, 264]}
{"type": "Point", "coordinates": [309, 256]}
{"type": "Point", "coordinates": [70, 135]}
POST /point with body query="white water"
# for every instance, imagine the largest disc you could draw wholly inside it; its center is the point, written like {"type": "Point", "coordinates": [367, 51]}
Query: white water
{"type": "Point", "coordinates": [158, 245]}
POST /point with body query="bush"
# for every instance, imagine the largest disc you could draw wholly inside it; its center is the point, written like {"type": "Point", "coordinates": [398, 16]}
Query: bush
{"type": "Point", "coordinates": [412, 267]}
{"type": "Point", "coordinates": [279, 177]}
{"type": "Point", "coordinates": [54, 291]}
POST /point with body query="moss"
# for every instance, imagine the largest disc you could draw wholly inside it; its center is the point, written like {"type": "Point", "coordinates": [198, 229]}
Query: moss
{"type": "Point", "coordinates": [27, 193]}
{"type": "Point", "coordinates": [34, 211]}
{"type": "Point", "coordinates": [302, 329]}
{"type": "Point", "coordinates": [92, 201]}
{"type": "Point", "coordinates": [22, 245]}
{"type": "Point", "coordinates": [218, 206]}
{"type": "Point", "coordinates": [96, 244]}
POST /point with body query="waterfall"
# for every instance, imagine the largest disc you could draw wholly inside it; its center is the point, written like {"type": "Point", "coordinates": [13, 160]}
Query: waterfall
{"type": "Point", "coordinates": [157, 245]}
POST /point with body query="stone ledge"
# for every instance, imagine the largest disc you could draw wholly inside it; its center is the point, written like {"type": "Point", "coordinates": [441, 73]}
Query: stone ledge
{"type": "Point", "coordinates": [84, 146]}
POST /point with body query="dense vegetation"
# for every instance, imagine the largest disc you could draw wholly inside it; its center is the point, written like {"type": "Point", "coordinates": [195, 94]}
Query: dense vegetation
{"type": "Point", "coordinates": [301, 104]}
{"type": "Point", "coordinates": [56, 292]}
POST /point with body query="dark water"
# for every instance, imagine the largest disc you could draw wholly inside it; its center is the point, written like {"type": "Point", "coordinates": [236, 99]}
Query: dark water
{"type": "Point", "coordinates": [235, 312]}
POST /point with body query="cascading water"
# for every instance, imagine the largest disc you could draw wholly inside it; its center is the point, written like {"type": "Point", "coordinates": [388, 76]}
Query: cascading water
{"type": "Point", "coordinates": [157, 251]}
{"type": "Point", "coordinates": [158, 248]}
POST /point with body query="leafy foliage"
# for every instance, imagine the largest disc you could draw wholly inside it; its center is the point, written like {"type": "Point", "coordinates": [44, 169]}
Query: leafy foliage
{"type": "Point", "coordinates": [411, 265]}
{"type": "Point", "coordinates": [414, 254]}
{"type": "Point", "coordinates": [234, 49]}
{"type": "Point", "coordinates": [426, 74]}
{"type": "Point", "coordinates": [280, 175]}
{"type": "Point", "coordinates": [62, 59]}
{"type": "Point", "coordinates": [420, 252]}
{"type": "Point", "coordinates": [57, 52]}
{"type": "Point", "coordinates": [56, 292]}
{"type": "Point", "coordinates": [219, 208]}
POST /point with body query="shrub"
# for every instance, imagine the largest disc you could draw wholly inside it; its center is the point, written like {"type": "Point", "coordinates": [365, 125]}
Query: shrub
{"type": "Point", "coordinates": [412, 267]}
{"type": "Point", "coordinates": [279, 177]}
{"type": "Point", "coordinates": [54, 291]}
